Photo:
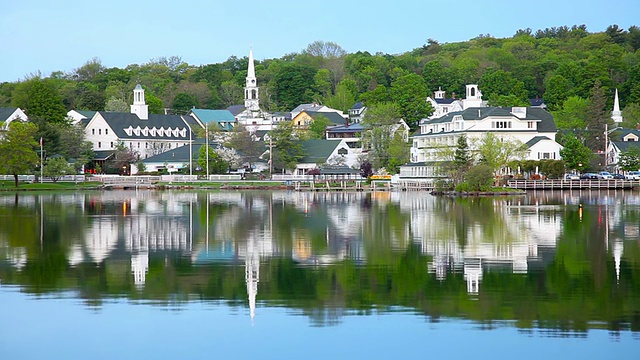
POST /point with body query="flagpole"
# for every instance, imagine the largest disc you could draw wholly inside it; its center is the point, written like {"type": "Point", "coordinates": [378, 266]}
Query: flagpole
{"type": "Point", "coordinates": [206, 129]}
{"type": "Point", "coordinates": [41, 163]}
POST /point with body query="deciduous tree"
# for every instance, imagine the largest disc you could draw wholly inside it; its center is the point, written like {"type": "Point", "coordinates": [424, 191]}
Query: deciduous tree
{"type": "Point", "coordinates": [18, 150]}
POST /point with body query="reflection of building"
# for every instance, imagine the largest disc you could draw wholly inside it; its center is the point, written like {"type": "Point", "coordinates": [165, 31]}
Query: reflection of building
{"type": "Point", "coordinates": [139, 268]}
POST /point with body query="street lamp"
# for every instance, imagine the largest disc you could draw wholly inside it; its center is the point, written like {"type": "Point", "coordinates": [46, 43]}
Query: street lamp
{"type": "Point", "coordinates": [606, 143]}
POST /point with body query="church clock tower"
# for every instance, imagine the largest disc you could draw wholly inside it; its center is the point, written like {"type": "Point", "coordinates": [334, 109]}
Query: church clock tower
{"type": "Point", "coordinates": [251, 99]}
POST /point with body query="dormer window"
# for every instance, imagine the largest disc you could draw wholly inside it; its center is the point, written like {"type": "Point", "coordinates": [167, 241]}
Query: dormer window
{"type": "Point", "coordinates": [145, 131]}
{"type": "Point", "coordinates": [153, 131]}
{"type": "Point", "coordinates": [161, 132]}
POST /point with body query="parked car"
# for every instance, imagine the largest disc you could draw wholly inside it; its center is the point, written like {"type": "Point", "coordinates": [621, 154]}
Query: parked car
{"type": "Point", "coordinates": [633, 175]}
{"type": "Point", "coordinates": [619, 176]}
{"type": "Point", "coordinates": [571, 176]}
{"type": "Point", "coordinates": [606, 175]}
{"type": "Point", "coordinates": [591, 176]}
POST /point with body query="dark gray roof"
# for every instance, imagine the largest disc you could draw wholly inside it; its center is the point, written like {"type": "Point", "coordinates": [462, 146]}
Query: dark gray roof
{"type": "Point", "coordinates": [180, 154]}
{"type": "Point", "coordinates": [626, 132]}
{"type": "Point", "coordinates": [536, 140]}
{"type": "Point", "coordinates": [334, 117]}
{"type": "Point", "coordinates": [546, 122]}
{"type": "Point", "coordinates": [304, 107]}
{"type": "Point", "coordinates": [351, 128]}
{"type": "Point", "coordinates": [119, 121]}
{"type": "Point", "coordinates": [358, 105]}
{"type": "Point", "coordinates": [236, 109]}
{"type": "Point", "coordinates": [102, 154]}
{"type": "Point", "coordinates": [6, 112]}
{"type": "Point", "coordinates": [445, 101]}
{"type": "Point", "coordinates": [536, 102]}
{"type": "Point", "coordinates": [625, 145]}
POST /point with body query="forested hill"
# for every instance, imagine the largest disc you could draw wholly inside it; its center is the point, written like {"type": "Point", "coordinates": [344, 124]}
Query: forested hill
{"type": "Point", "coordinates": [574, 70]}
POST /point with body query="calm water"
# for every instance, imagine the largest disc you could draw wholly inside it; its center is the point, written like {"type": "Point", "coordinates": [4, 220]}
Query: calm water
{"type": "Point", "coordinates": [142, 274]}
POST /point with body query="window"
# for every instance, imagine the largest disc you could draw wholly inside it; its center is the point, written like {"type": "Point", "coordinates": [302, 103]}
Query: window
{"type": "Point", "coordinates": [99, 144]}
{"type": "Point", "coordinates": [530, 124]}
{"type": "Point", "coordinates": [501, 124]}
{"type": "Point", "coordinates": [106, 131]}
{"type": "Point", "coordinates": [111, 145]}
{"type": "Point", "coordinates": [93, 131]}
{"type": "Point", "coordinates": [99, 131]}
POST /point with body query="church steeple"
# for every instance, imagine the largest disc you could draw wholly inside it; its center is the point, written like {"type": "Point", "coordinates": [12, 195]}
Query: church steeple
{"type": "Point", "coordinates": [616, 114]}
{"type": "Point", "coordinates": [139, 106]}
{"type": "Point", "coordinates": [251, 99]}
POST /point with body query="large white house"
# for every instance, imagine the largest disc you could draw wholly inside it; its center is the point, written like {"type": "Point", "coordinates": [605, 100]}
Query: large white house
{"type": "Point", "coordinates": [144, 133]}
{"type": "Point", "coordinates": [534, 127]}
{"type": "Point", "coordinates": [443, 105]}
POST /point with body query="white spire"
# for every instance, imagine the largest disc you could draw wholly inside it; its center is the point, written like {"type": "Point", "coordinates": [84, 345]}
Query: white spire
{"type": "Point", "coordinates": [616, 114]}
{"type": "Point", "coordinates": [252, 275]}
{"type": "Point", "coordinates": [251, 99]}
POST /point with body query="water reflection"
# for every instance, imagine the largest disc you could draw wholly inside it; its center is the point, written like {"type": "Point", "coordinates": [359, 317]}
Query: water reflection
{"type": "Point", "coordinates": [562, 261]}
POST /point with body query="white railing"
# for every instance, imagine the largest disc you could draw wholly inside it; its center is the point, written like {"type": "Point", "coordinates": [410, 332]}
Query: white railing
{"type": "Point", "coordinates": [179, 178]}
{"type": "Point", "coordinates": [292, 177]}
{"type": "Point", "coordinates": [225, 177]}
{"type": "Point", "coordinates": [28, 178]}
{"type": "Point", "coordinates": [116, 179]}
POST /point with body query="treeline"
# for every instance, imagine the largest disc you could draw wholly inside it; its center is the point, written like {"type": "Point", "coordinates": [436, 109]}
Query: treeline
{"type": "Point", "coordinates": [561, 65]}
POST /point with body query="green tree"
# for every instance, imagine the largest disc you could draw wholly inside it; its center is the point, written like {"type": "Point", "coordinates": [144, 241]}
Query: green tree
{"type": "Point", "coordinates": [183, 103]}
{"type": "Point", "coordinates": [631, 116]}
{"type": "Point", "coordinates": [344, 98]}
{"type": "Point", "coordinates": [399, 153]}
{"type": "Point", "coordinates": [318, 127]}
{"type": "Point", "coordinates": [287, 152]}
{"type": "Point", "coordinates": [17, 150]}
{"type": "Point", "coordinates": [630, 159]}
{"type": "Point", "coordinates": [597, 117]}
{"type": "Point", "coordinates": [381, 123]}
{"type": "Point", "coordinates": [575, 154]}
{"type": "Point", "coordinates": [57, 167]}
{"type": "Point", "coordinates": [497, 152]}
{"type": "Point", "coordinates": [291, 85]}
{"type": "Point", "coordinates": [73, 145]}
{"type": "Point", "coordinates": [244, 143]}
{"type": "Point", "coordinates": [558, 89]}
{"type": "Point", "coordinates": [154, 102]}
{"type": "Point", "coordinates": [44, 103]}
{"type": "Point", "coordinates": [477, 178]}
{"type": "Point", "coordinates": [217, 165]}
{"type": "Point", "coordinates": [117, 105]}
{"type": "Point", "coordinates": [572, 114]}
{"type": "Point", "coordinates": [410, 93]}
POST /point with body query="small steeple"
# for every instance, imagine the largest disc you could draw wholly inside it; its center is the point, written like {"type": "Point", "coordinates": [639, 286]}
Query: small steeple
{"type": "Point", "coordinates": [139, 107]}
{"type": "Point", "coordinates": [251, 99]}
{"type": "Point", "coordinates": [616, 114]}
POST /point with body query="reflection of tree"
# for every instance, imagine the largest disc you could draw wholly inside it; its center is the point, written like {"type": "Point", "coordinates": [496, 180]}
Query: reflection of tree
{"type": "Point", "coordinates": [573, 292]}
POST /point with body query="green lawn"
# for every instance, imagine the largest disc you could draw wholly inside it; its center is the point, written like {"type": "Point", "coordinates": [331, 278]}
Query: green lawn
{"type": "Point", "coordinates": [10, 185]}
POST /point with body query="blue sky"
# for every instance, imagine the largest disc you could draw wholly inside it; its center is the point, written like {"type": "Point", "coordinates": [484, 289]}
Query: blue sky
{"type": "Point", "coordinates": [52, 35]}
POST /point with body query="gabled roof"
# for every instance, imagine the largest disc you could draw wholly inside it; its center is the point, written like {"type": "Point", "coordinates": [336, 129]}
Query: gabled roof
{"type": "Point", "coordinates": [445, 101]}
{"type": "Point", "coordinates": [626, 132]}
{"type": "Point", "coordinates": [180, 154]}
{"type": "Point", "coordinates": [351, 128]}
{"type": "Point", "coordinates": [118, 121]}
{"type": "Point", "coordinates": [332, 116]}
{"type": "Point", "coordinates": [88, 114]}
{"type": "Point", "coordinates": [318, 151]}
{"type": "Point", "coordinates": [102, 154]}
{"type": "Point", "coordinates": [545, 124]}
{"type": "Point", "coordinates": [536, 140]}
{"type": "Point", "coordinates": [209, 116]}
{"type": "Point", "coordinates": [536, 102]}
{"type": "Point", "coordinates": [625, 145]}
{"type": "Point", "coordinates": [6, 112]}
{"type": "Point", "coordinates": [358, 105]}
{"type": "Point", "coordinates": [236, 109]}
{"type": "Point", "coordinates": [305, 107]}
{"type": "Point", "coordinates": [220, 118]}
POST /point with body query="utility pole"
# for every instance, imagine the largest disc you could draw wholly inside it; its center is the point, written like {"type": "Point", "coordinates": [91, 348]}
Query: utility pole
{"type": "Point", "coordinates": [270, 158]}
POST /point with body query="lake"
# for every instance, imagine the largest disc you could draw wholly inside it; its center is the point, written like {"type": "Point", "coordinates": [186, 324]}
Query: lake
{"type": "Point", "coordinates": [195, 274]}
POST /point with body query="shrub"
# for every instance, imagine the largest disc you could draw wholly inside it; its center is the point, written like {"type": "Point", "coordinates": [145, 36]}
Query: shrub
{"type": "Point", "coordinates": [479, 178]}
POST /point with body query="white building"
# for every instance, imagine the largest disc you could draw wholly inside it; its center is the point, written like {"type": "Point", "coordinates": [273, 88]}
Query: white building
{"type": "Point", "coordinates": [143, 133]}
{"type": "Point", "coordinates": [534, 127]}
{"type": "Point", "coordinates": [7, 115]}
{"type": "Point", "coordinates": [443, 105]}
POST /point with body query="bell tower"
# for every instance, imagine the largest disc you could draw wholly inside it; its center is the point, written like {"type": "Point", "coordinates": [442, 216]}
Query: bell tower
{"type": "Point", "coordinates": [251, 99]}
{"type": "Point", "coordinates": [139, 107]}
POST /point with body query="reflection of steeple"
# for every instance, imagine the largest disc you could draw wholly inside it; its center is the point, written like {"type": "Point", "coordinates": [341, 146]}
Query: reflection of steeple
{"type": "Point", "coordinates": [139, 268]}
{"type": "Point", "coordinates": [473, 274]}
{"type": "Point", "coordinates": [252, 274]}
{"type": "Point", "coordinates": [618, 248]}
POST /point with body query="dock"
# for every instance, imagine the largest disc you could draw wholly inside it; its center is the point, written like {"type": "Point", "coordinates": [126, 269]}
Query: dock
{"type": "Point", "coordinates": [572, 184]}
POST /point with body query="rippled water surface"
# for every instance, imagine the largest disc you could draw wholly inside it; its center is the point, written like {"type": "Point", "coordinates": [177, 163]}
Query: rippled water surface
{"type": "Point", "coordinates": [142, 274]}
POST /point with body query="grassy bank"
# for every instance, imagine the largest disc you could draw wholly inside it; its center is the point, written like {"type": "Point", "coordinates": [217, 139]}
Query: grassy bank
{"type": "Point", "coordinates": [10, 186]}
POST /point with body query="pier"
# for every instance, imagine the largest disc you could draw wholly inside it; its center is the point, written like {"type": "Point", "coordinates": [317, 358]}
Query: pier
{"type": "Point", "coordinates": [572, 184]}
